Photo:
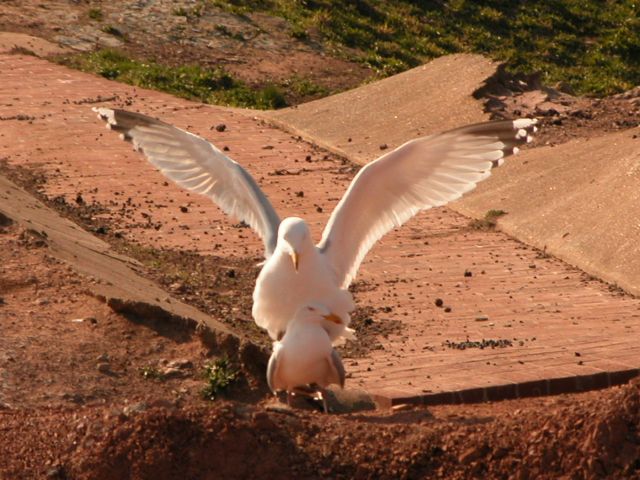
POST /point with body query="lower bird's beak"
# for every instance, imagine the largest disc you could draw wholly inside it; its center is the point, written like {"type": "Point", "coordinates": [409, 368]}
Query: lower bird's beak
{"type": "Point", "coordinates": [295, 258]}
{"type": "Point", "coordinates": [332, 317]}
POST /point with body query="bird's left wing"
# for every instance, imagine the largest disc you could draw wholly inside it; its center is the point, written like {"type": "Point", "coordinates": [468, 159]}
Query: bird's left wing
{"type": "Point", "coordinates": [198, 166]}
{"type": "Point", "coordinates": [423, 173]}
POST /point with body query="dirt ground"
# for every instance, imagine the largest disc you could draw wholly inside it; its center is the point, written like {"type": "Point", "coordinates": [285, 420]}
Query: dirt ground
{"type": "Point", "coordinates": [118, 397]}
{"type": "Point", "coordinates": [255, 48]}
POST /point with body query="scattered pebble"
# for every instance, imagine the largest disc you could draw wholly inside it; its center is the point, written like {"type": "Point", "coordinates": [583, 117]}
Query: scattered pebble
{"type": "Point", "coordinates": [183, 209]}
{"type": "Point", "coordinates": [482, 344]}
{"type": "Point", "coordinates": [447, 309]}
{"type": "Point", "coordinates": [384, 146]}
{"type": "Point", "coordinates": [104, 367]}
{"type": "Point", "coordinates": [439, 302]}
{"type": "Point", "coordinates": [482, 318]}
{"type": "Point", "coordinates": [103, 358]}
{"type": "Point", "coordinates": [135, 408]}
{"type": "Point", "coordinates": [221, 127]}
{"type": "Point", "coordinates": [468, 273]}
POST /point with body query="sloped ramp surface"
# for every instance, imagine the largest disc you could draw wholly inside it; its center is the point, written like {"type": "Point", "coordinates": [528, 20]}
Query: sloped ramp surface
{"type": "Point", "coordinates": [434, 97]}
{"type": "Point", "coordinates": [580, 201]}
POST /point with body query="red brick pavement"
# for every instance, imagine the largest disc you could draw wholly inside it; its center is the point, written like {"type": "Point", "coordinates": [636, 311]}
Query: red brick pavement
{"type": "Point", "coordinates": [567, 331]}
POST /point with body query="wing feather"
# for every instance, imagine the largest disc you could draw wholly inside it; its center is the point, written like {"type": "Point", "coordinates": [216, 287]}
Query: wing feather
{"type": "Point", "coordinates": [423, 173]}
{"type": "Point", "coordinates": [198, 166]}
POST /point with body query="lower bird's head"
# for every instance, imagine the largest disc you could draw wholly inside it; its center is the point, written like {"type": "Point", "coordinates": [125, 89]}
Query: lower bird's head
{"type": "Point", "coordinates": [294, 237]}
{"type": "Point", "coordinates": [318, 312]}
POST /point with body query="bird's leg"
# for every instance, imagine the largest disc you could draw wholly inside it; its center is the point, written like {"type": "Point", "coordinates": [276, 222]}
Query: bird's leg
{"type": "Point", "coordinates": [322, 395]}
{"type": "Point", "coordinates": [289, 397]}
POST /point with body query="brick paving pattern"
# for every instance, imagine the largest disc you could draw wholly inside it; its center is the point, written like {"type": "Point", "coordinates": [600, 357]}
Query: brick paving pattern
{"type": "Point", "coordinates": [557, 328]}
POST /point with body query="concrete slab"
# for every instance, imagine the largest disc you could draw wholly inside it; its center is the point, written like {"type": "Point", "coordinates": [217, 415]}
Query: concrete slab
{"type": "Point", "coordinates": [114, 276]}
{"type": "Point", "coordinates": [547, 310]}
{"type": "Point", "coordinates": [38, 46]}
{"type": "Point", "coordinates": [427, 99]}
{"type": "Point", "coordinates": [580, 201]}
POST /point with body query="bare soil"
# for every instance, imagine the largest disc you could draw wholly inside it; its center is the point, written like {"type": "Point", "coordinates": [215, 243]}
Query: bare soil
{"type": "Point", "coordinates": [255, 48]}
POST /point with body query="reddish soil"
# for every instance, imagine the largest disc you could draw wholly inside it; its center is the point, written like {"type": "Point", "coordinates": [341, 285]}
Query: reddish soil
{"type": "Point", "coordinates": [79, 407]}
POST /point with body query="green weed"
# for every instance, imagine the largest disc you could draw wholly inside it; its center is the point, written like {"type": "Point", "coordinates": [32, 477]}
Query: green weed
{"type": "Point", "coordinates": [188, 81]}
{"type": "Point", "coordinates": [489, 221]}
{"type": "Point", "coordinates": [593, 47]}
{"type": "Point", "coordinates": [151, 373]}
{"type": "Point", "coordinates": [95, 14]}
{"type": "Point", "coordinates": [219, 375]}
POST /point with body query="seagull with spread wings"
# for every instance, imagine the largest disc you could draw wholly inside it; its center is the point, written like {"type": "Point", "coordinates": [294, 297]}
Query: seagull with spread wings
{"type": "Point", "coordinates": [420, 174]}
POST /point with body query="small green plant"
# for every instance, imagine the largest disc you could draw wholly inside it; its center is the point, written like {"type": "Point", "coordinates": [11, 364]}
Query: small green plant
{"type": "Point", "coordinates": [188, 81]}
{"type": "Point", "coordinates": [489, 221]}
{"type": "Point", "coordinates": [181, 12]}
{"type": "Point", "coordinates": [151, 373]}
{"type": "Point", "coordinates": [95, 14]}
{"type": "Point", "coordinates": [305, 87]}
{"type": "Point", "coordinates": [219, 375]}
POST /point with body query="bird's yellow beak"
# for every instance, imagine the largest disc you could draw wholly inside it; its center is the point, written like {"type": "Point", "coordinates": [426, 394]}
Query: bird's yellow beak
{"type": "Point", "coordinates": [332, 317]}
{"type": "Point", "coordinates": [295, 258]}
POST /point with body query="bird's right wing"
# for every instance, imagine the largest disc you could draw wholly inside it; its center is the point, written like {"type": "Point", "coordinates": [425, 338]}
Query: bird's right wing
{"type": "Point", "coordinates": [336, 365]}
{"type": "Point", "coordinates": [272, 367]}
{"type": "Point", "coordinates": [423, 173]}
{"type": "Point", "coordinates": [198, 166]}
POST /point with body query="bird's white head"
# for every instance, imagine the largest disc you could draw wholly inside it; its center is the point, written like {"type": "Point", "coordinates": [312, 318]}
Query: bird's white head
{"type": "Point", "coordinates": [318, 312]}
{"type": "Point", "coordinates": [294, 236]}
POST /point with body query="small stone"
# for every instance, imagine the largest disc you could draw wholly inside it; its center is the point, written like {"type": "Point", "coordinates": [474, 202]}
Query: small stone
{"type": "Point", "coordinates": [384, 146]}
{"type": "Point", "coordinates": [135, 408]}
{"type": "Point", "coordinates": [103, 358]}
{"type": "Point", "coordinates": [180, 363]}
{"type": "Point", "coordinates": [319, 209]}
{"type": "Point", "coordinates": [41, 301]}
{"type": "Point", "coordinates": [183, 209]}
{"type": "Point", "coordinates": [482, 318]}
{"type": "Point", "coordinates": [467, 273]}
{"type": "Point", "coordinates": [79, 199]}
{"type": "Point", "coordinates": [300, 194]}
{"type": "Point", "coordinates": [402, 407]}
{"type": "Point", "coordinates": [221, 127]}
{"type": "Point", "coordinates": [171, 372]}
{"type": "Point", "coordinates": [231, 273]}
{"type": "Point", "coordinates": [447, 309]}
{"type": "Point", "coordinates": [104, 367]}
{"type": "Point", "coordinates": [225, 149]}
{"type": "Point", "coordinates": [439, 302]}
{"type": "Point", "coordinates": [2, 302]}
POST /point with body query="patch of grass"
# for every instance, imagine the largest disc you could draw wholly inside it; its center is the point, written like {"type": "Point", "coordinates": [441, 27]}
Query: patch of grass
{"type": "Point", "coordinates": [95, 14]}
{"type": "Point", "coordinates": [151, 373]}
{"type": "Point", "coordinates": [489, 221]}
{"type": "Point", "coordinates": [188, 81]}
{"type": "Point", "coordinates": [303, 87]}
{"type": "Point", "coordinates": [592, 47]}
{"type": "Point", "coordinates": [219, 375]}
